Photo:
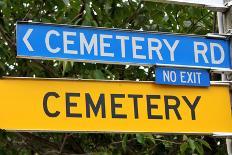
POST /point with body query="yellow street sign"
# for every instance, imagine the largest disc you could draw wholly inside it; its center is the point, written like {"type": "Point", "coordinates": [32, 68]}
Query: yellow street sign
{"type": "Point", "coordinates": [112, 106]}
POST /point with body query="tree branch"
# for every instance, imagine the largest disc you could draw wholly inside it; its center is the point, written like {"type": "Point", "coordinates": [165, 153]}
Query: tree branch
{"type": "Point", "coordinates": [6, 37]}
{"type": "Point", "coordinates": [161, 140]}
{"type": "Point", "coordinates": [94, 17]}
{"type": "Point", "coordinates": [194, 24]}
{"type": "Point", "coordinates": [44, 146]}
{"type": "Point", "coordinates": [133, 16]}
{"type": "Point", "coordinates": [79, 15]}
{"type": "Point", "coordinates": [149, 75]}
{"type": "Point", "coordinates": [44, 66]}
{"type": "Point", "coordinates": [64, 141]}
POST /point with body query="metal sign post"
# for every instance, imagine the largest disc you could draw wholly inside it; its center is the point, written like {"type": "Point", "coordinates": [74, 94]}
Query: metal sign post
{"type": "Point", "coordinates": [227, 25]}
{"type": "Point", "coordinates": [215, 5]}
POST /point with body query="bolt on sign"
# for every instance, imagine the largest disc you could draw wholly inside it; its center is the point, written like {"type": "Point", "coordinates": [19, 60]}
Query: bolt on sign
{"type": "Point", "coordinates": [100, 106]}
{"type": "Point", "coordinates": [89, 44]}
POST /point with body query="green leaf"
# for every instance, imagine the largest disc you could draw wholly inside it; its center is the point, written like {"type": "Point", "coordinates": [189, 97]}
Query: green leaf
{"type": "Point", "coordinates": [203, 142]}
{"type": "Point", "coordinates": [2, 67]}
{"type": "Point", "coordinates": [150, 137]}
{"type": "Point", "coordinates": [64, 67]}
{"type": "Point", "coordinates": [140, 138]}
{"type": "Point", "coordinates": [2, 4]}
{"type": "Point", "coordinates": [72, 63]}
{"type": "Point", "coordinates": [199, 148]}
{"type": "Point", "coordinates": [2, 152]}
{"type": "Point", "coordinates": [124, 141]}
{"type": "Point", "coordinates": [97, 74]}
{"type": "Point", "coordinates": [66, 2]}
{"type": "Point", "coordinates": [67, 66]}
{"type": "Point", "coordinates": [191, 144]}
{"type": "Point", "coordinates": [185, 138]}
{"type": "Point", "coordinates": [183, 148]}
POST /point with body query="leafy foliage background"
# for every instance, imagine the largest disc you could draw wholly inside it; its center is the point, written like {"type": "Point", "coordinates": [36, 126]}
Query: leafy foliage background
{"type": "Point", "coordinates": [126, 14]}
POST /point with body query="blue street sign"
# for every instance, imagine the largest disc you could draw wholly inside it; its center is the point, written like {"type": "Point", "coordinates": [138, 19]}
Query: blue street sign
{"type": "Point", "coordinates": [186, 77]}
{"type": "Point", "coordinates": [89, 44]}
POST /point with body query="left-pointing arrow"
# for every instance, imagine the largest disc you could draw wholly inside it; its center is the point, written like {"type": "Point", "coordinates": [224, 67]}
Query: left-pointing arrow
{"type": "Point", "coordinates": [25, 39]}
